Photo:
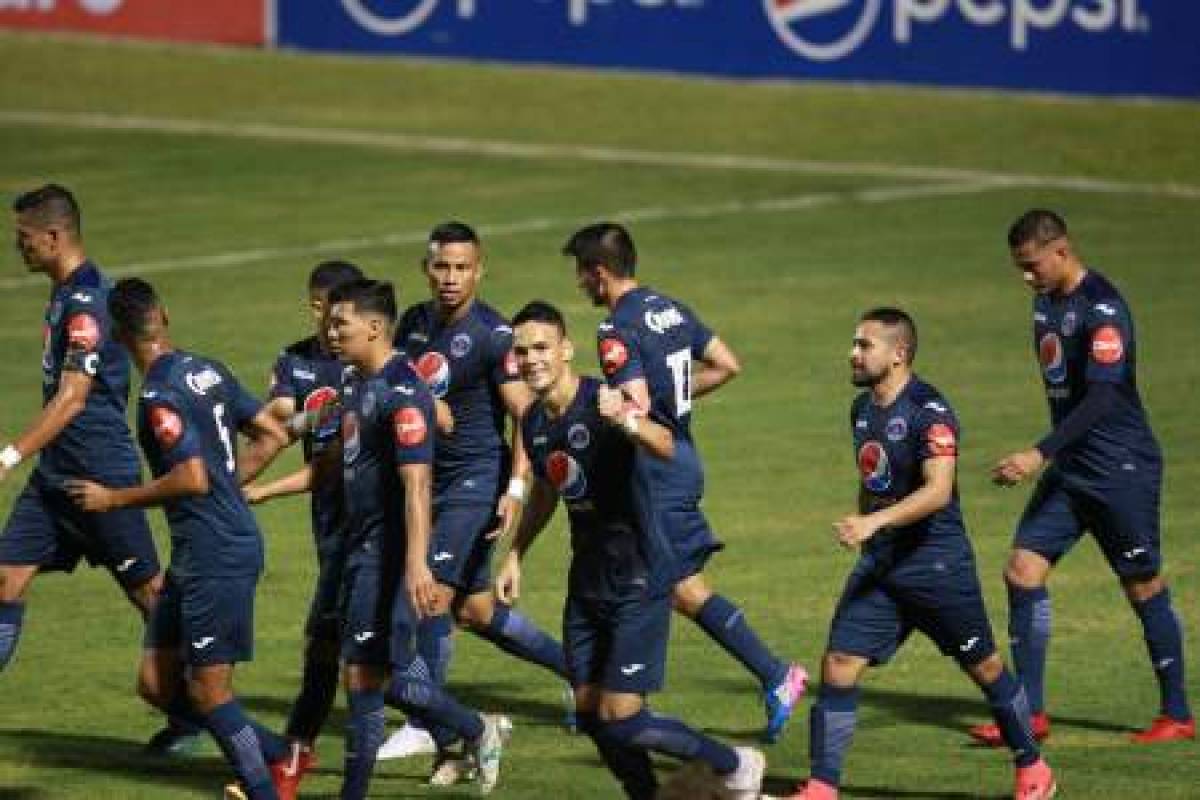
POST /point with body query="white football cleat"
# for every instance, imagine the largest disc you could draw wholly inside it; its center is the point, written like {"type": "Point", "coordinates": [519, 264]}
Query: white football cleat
{"type": "Point", "coordinates": [407, 741]}
{"type": "Point", "coordinates": [497, 729]}
{"type": "Point", "coordinates": [745, 782]}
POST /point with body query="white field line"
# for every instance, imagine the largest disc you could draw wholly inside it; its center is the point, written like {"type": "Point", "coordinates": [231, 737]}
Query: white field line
{"type": "Point", "coordinates": [342, 247]}
{"type": "Point", "coordinates": [492, 148]}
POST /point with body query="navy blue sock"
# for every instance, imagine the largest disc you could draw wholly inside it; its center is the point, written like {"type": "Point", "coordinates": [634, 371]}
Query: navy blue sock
{"type": "Point", "coordinates": [412, 690]}
{"type": "Point", "coordinates": [1010, 709]}
{"type": "Point", "coordinates": [11, 615]}
{"type": "Point", "coordinates": [318, 690]}
{"type": "Point", "coordinates": [670, 736]}
{"type": "Point", "coordinates": [831, 729]}
{"type": "Point", "coordinates": [435, 646]}
{"type": "Point", "coordinates": [1029, 637]}
{"type": "Point", "coordinates": [726, 623]}
{"type": "Point", "coordinates": [514, 633]}
{"type": "Point", "coordinates": [1164, 640]}
{"type": "Point", "coordinates": [364, 735]}
{"type": "Point", "coordinates": [631, 765]}
{"type": "Point", "coordinates": [238, 740]}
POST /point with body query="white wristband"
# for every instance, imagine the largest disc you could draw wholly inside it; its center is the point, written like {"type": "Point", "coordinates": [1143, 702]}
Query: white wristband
{"type": "Point", "coordinates": [516, 489]}
{"type": "Point", "coordinates": [10, 457]}
{"type": "Point", "coordinates": [630, 423]}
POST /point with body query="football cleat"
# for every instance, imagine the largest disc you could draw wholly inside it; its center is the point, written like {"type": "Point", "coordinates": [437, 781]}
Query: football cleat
{"type": "Point", "coordinates": [781, 700]}
{"type": "Point", "coordinates": [410, 740]}
{"type": "Point", "coordinates": [1166, 729]}
{"type": "Point", "coordinates": [813, 789]}
{"type": "Point", "coordinates": [497, 729]}
{"type": "Point", "coordinates": [745, 782]}
{"type": "Point", "coordinates": [287, 774]}
{"type": "Point", "coordinates": [1035, 782]}
{"type": "Point", "coordinates": [570, 719]}
{"type": "Point", "coordinates": [234, 791]}
{"type": "Point", "coordinates": [989, 734]}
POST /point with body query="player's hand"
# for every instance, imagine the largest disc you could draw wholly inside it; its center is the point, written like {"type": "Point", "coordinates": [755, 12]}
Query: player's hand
{"type": "Point", "coordinates": [610, 403]}
{"type": "Point", "coordinates": [1016, 467]}
{"type": "Point", "coordinates": [508, 511]}
{"type": "Point", "coordinates": [422, 589]}
{"type": "Point", "coordinates": [507, 584]}
{"type": "Point", "coordinates": [255, 494]}
{"type": "Point", "coordinates": [445, 417]}
{"type": "Point", "coordinates": [90, 496]}
{"type": "Point", "coordinates": [855, 529]}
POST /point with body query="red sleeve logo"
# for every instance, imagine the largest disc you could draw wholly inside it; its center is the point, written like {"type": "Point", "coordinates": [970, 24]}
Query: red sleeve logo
{"type": "Point", "coordinates": [409, 425]}
{"type": "Point", "coordinates": [1107, 345]}
{"type": "Point", "coordinates": [613, 355]}
{"type": "Point", "coordinates": [82, 332]}
{"type": "Point", "coordinates": [941, 440]}
{"type": "Point", "coordinates": [167, 426]}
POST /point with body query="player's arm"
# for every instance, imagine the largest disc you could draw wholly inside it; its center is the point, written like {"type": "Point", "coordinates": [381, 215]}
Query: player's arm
{"type": "Point", "coordinates": [187, 478]}
{"type": "Point", "coordinates": [717, 366]}
{"type": "Point", "coordinates": [298, 482]}
{"type": "Point", "coordinates": [64, 406]}
{"type": "Point", "coordinates": [516, 398]}
{"type": "Point", "coordinates": [654, 438]}
{"type": "Point", "coordinates": [935, 494]}
{"type": "Point", "coordinates": [536, 515]}
{"type": "Point", "coordinates": [268, 437]}
{"type": "Point", "coordinates": [417, 479]}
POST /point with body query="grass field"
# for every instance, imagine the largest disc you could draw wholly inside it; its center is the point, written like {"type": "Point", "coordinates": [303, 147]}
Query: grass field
{"type": "Point", "coordinates": [779, 212]}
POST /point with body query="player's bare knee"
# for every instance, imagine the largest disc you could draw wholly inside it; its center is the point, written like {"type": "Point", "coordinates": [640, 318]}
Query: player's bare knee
{"type": "Point", "coordinates": [616, 706]}
{"type": "Point", "coordinates": [475, 612]}
{"type": "Point", "coordinates": [988, 671]}
{"type": "Point", "coordinates": [13, 583]}
{"type": "Point", "coordinates": [1026, 570]}
{"type": "Point", "coordinates": [1139, 590]}
{"type": "Point", "coordinates": [690, 595]}
{"type": "Point", "coordinates": [842, 669]}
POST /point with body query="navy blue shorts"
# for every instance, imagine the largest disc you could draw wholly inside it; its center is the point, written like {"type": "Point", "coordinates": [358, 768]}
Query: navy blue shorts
{"type": "Point", "coordinates": [460, 555]}
{"type": "Point", "coordinates": [691, 537]}
{"type": "Point", "coordinates": [1124, 520]}
{"type": "Point", "coordinates": [876, 613]}
{"type": "Point", "coordinates": [210, 620]}
{"type": "Point", "coordinates": [46, 529]}
{"type": "Point", "coordinates": [324, 612]}
{"type": "Point", "coordinates": [618, 645]}
{"type": "Point", "coordinates": [378, 623]}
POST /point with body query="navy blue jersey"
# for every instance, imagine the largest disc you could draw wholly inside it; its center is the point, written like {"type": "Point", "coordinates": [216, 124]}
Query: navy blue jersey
{"type": "Point", "coordinates": [311, 377]}
{"type": "Point", "coordinates": [464, 364]}
{"type": "Point", "coordinates": [387, 423]}
{"type": "Point", "coordinates": [591, 465]}
{"type": "Point", "coordinates": [891, 445]}
{"type": "Point", "coordinates": [192, 407]}
{"type": "Point", "coordinates": [1085, 337]}
{"type": "Point", "coordinates": [78, 338]}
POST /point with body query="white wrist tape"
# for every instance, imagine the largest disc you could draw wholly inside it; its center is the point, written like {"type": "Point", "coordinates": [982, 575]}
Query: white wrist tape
{"type": "Point", "coordinates": [10, 457]}
{"type": "Point", "coordinates": [516, 489]}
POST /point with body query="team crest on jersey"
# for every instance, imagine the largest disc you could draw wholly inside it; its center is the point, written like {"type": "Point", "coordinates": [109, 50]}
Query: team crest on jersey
{"type": "Point", "coordinates": [1054, 360]}
{"type": "Point", "coordinates": [1070, 323]}
{"type": "Point", "coordinates": [167, 426]}
{"type": "Point", "coordinates": [875, 468]}
{"type": "Point", "coordinates": [409, 426]}
{"type": "Point", "coordinates": [434, 369]}
{"type": "Point", "coordinates": [941, 441]}
{"type": "Point", "coordinates": [1108, 346]}
{"type": "Point", "coordinates": [82, 332]}
{"type": "Point", "coordinates": [460, 345]}
{"type": "Point", "coordinates": [566, 475]}
{"type": "Point", "coordinates": [613, 355]}
{"type": "Point", "coordinates": [897, 429]}
{"type": "Point", "coordinates": [579, 437]}
{"type": "Point", "coordinates": [351, 441]}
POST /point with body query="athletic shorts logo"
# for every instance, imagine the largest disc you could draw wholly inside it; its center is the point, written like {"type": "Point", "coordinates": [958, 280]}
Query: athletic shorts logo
{"type": "Point", "coordinates": [201, 644]}
{"type": "Point", "coordinates": [941, 441]}
{"type": "Point", "coordinates": [630, 670]}
{"type": "Point", "coordinates": [1054, 362]}
{"type": "Point", "coordinates": [874, 466]}
{"type": "Point", "coordinates": [822, 30]}
{"type": "Point", "coordinates": [566, 475]}
{"type": "Point", "coordinates": [897, 429]}
{"type": "Point", "coordinates": [434, 369]}
{"type": "Point", "coordinates": [82, 332]}
{"type": "Point", "coordinates": [1108, 347]}
{"type": "Point", "coordinates": [399, 18]}
{"type": "Point", "coordinates": [166, 425]}
{"type": "Point", "coordinates": [613, 355]}
{"type": "Point", "coordinates": [579, 437]}
{"type": "Point", "coordinates": [409, 424]}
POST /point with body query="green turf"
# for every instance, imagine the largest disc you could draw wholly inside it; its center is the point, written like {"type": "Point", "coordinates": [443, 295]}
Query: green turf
{"type": "Point", "coordinates": [782, 286]}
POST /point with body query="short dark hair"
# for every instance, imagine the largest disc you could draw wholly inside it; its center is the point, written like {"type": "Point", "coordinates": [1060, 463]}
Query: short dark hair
{"type": "Point", "coordinates": [329, 274]}
{"type": "Point", "coordinates": [896, 318]}
{"type": "Point", "coordinates": [1039, 225]}
{"type": "Point", "coordinates": [367, 297]}
{"type": "Point", "coordinates": [543, 312]}
{"type": "Point", "coordinates": [51, 204]}
{"type": "Point", "coordinates": [130, 304]}
{"type": "Point", "coordinates": [453, 232]}
{"type": "Point", "coordinates": [604, 243]}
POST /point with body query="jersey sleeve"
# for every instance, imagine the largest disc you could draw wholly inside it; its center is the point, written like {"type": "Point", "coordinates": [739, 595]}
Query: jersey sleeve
{"type": "Point", "coordinates": [85, 330]}
{"type": "Point", "coordinates": [620, 360]}
{"type": "Point", "coordinates": [409, 412]}
{"type": "Point", "coordinates": [937, 430]}
{"type": "Point", "coordinates": [502, 362]}
{"type": "Point", "coordinates": [174, 431]}
{"type": "Point", "coordinates": [243, 405]}
{"type": "Point", "coordinates": [539, 469]}
{"type": "Point", "coordinates": [701, 335]}
{"type": "Point", "coordinates": [283, 383]}
{"type": "Point", "coordinates": [1108, 330]}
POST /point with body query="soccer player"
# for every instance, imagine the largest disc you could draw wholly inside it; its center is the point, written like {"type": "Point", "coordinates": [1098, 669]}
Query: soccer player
{"type": "Point", "coordinates": [81, 431]}
{"type": "Point", "coordinates": [1104, 473]}
{"type": "Point", "coordinates": [461, 347]}
{"type": "Point", "coordinates": [916, 568]}
{"type": "Point", "coordinates": [189, 413]}
{"type": "Point", "coordinates": [387, 426]}
{"type": "Point", "coordinates": [581, 437]}
{"type": "Point", "coordinates": [305, 389]}
{"type": "Point", "coordinates": [659, 353]}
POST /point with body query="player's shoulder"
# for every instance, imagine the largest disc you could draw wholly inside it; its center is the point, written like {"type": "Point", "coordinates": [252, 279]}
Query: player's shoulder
{"type": "Point", "coordinates": [488, 316]}
{"type": "Point", "coordinates": [418, 315]}
{"type": "Point", "coordinates": [308, 348]}
{"type": "Point", "coordinates": [87, 290]}
{"type": "Point", "coordinates": [860, 404]}
{"type": "Point", "coordinates": [400, 376]}
{"type": "Point", "coordinates": [928, 400]}
{"type": "Point", "coordinates": [1103, 297]}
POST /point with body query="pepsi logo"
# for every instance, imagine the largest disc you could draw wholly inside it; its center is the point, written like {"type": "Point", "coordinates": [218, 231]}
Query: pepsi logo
{"type": "Point", "coordinates": [409, 426]}
{"type": "Point", "coordinates": [874, 466]}
{"type": "Point", "coordinates": [1108, 346]}
{"type": "Point", "coordinates": [322, 404]}
{"type": "Point", "coordinates": [398, 19]}
{"type": "Point", "coordinates": [434, 369]}
{"type": "Point", "coordinates": [566, 475]}
{"type": "Point", "coordinates": [1054, 361]}
{"type": "Point", "coordinates": [167, 426]}
{"type": "Point", "coordinates": [822, 30]}
{"type": "Point", "coordinates": [613, 355]}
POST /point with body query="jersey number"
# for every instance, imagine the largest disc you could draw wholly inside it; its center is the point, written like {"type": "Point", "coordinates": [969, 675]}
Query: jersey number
{"type": "Point", "coordinates": [223, 432]}
{"type": "Point", "coordinates": [680, 363]}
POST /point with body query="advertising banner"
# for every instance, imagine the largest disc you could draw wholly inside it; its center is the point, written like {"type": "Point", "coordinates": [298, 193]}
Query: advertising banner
{"type": "Point", "coordinates": [223, 21]}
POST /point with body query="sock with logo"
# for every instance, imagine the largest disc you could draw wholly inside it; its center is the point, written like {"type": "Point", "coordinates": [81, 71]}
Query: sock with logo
{"type": "Point", "coordinates": [1010, 710]}
{"type": "Point", "coordinates": [671, 737]}
{"type": "Point", "coordinates": [1029, 634]}
{"type": "Point", "coordinates": [11, 615]}
{"type": "Point", "coordinates": [831, 726]}
{"type": "Point", "coordinates": [726, 623]}
{"type": "Point", "coordinates": [1164, 641]}
{"type": "Point", "coordinates": [514, 633]}
{"type": "Point", "coordinates": [236, 736]}
{"type": "Point", "coordinates": [318, 689]}
{"type": "Point", "coordinates": [365, 731]}
{"type": "Point", "coordinates": [631, 765]}
{"type": "Point", "coordinates": [412, 690]}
